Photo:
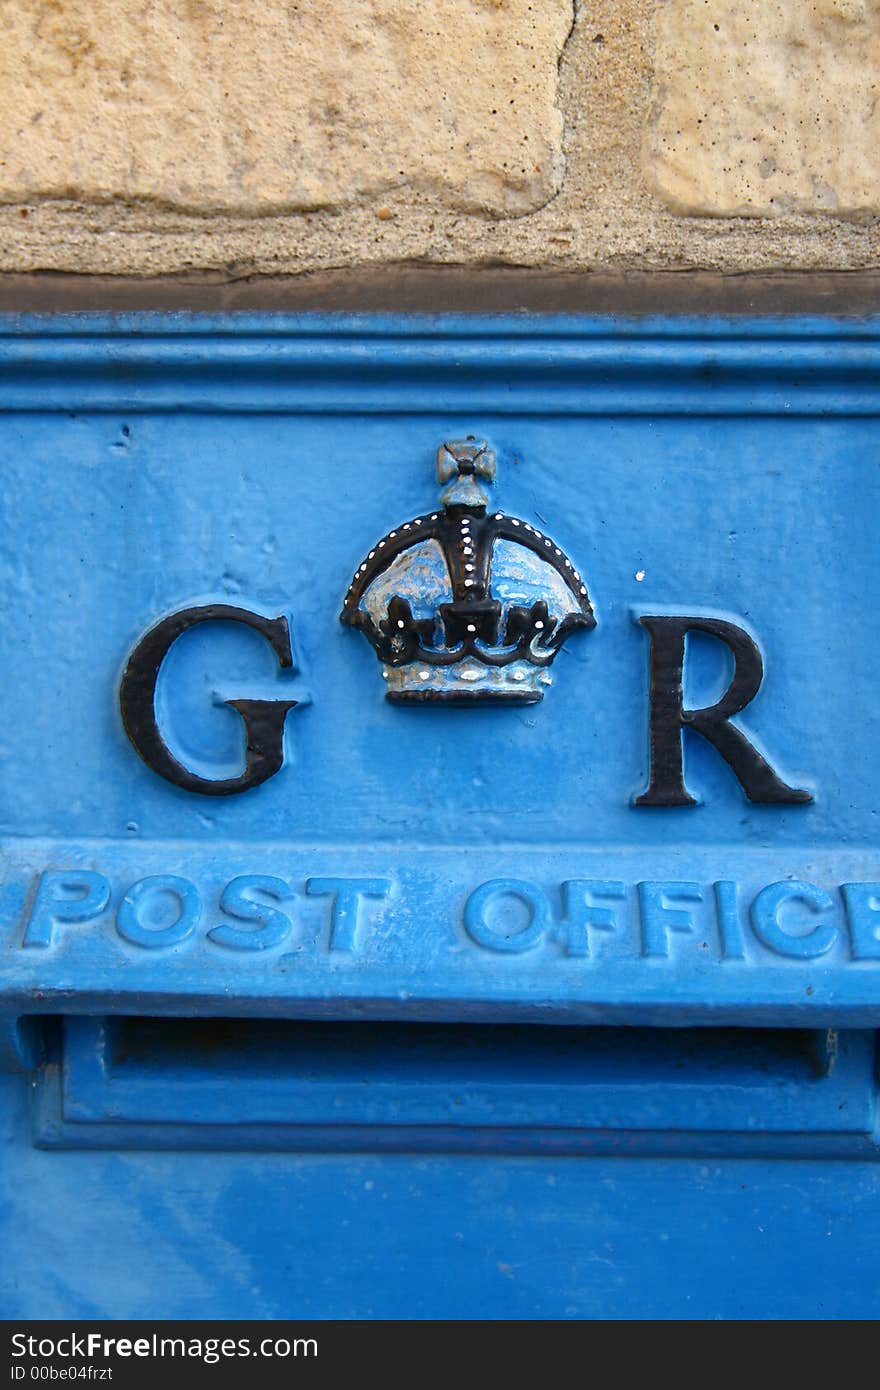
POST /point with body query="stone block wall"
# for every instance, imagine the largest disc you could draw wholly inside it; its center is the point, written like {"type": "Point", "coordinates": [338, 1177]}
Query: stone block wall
{"type": "Point", "coordinates": [278, 136]}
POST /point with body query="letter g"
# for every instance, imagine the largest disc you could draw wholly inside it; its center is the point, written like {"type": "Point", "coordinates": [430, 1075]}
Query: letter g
{"type": "Point", "coordinates": [263, 719]}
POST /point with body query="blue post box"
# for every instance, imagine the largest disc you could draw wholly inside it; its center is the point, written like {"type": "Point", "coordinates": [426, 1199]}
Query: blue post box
{"type": "Point", "coordinates": [439, 817]}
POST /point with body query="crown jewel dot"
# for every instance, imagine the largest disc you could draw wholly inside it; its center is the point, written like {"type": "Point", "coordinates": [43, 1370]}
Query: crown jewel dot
{"type": "Point", "coordinates": [468, 583]}
{"type": "Point", "coordinates": [514, 523]}
{"type": "Point", "coordinates": [539, 624]}
{"type": "Point", "coordinates": [424, 675]}
{"type": "Point", "coordinates": [471, 627]}
{"type": "Point", "coordinates": [400, 622]}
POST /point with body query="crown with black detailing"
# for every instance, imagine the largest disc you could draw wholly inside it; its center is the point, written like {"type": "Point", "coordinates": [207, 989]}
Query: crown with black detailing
{"type": "Point", "coordinates": [464, 606]}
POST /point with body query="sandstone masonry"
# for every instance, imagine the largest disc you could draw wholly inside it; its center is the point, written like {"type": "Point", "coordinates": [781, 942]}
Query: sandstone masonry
{"type": "Point", "coordinates": [289, 135]}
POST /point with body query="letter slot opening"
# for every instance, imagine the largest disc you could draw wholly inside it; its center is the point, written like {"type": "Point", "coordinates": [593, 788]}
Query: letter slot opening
{"type": "Point", "coordinates": [297, 1085]}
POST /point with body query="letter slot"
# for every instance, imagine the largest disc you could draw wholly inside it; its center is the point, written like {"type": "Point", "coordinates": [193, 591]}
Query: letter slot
{"type": "Point", "coordinates": [262, 1084]}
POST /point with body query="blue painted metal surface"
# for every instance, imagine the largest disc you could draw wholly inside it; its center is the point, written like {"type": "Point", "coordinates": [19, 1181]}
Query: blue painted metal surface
{"type": "Point", "coordinates": [212, 1235]}
{"type": "Point", "coordinates": [482, 868]}
{"type": "Point", "coordinates": [150, 466]}
{"type": "Point", "coordinates": [131, 1084]}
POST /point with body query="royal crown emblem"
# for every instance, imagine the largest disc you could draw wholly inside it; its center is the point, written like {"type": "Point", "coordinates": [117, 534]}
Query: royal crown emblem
{"type": "Point", "coordinates": [464, 606]}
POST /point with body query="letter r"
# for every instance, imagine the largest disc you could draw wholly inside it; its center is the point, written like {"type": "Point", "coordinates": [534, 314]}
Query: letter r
{"type": "Point", "coordinates": [669, 717]}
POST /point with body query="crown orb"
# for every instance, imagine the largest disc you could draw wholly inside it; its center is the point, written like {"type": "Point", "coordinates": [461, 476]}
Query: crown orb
{"type": "Point", "coordinates": [463, 606]}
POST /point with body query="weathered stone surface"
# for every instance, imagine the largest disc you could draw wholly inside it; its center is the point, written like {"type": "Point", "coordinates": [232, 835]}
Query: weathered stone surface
{"type": "Point", "coordinates": [767, 106]}
{"type": "Point", "coordinates": [224, 106]}
{"type": "Point", "coordinates": [607, 214]}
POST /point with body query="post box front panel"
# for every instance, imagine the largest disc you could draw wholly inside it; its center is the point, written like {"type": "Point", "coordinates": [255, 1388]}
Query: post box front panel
{"type": "Point", "coordinates": [464, 856]}
{"type": "Point", "coordinates": [304, 989]}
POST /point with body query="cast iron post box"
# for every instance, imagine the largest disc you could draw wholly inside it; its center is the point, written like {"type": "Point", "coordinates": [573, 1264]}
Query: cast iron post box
{"type": "Point", "coordinates": [439, 812]}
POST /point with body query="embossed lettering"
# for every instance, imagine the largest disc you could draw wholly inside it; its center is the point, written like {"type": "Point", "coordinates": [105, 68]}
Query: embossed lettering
{"type": "Point", "coordinates": [272, 925]}
{"type": "Point", "coordinates": [668, 717]}
{"type": "Point", "coordinates": [347, 894]}
{"type": "Point", "coordinates": [767, 928]}
{"type": "Point", "coordinates": [488, 923]}
{"type": "Point", "coordinates": [659, 916]}
{"type": "Point", "coordinates": [795, 920]}
{"type": "Point", "coordinates": [263, 719]}
{"type": "Point", "coordinates": [862, 903]}
{"type": "Point", "coordinates": [142, 915]}
{"type": "Point", "coordinates": [64, 895]}
{"type": "Point", "coordinates": [730, 931]}
{"type": "Point", "coordinates": [582, 915]}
